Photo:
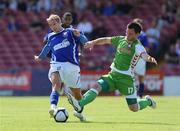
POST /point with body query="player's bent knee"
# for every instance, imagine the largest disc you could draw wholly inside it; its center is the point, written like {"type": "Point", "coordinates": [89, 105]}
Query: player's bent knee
{"type": "Point", "coordinates": [133, 108]}
{"type": "Point", "coordinates": [57, 86]}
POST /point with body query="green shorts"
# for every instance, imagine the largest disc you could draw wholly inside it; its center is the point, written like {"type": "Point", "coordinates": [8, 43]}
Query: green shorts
{"type": "Point", "coordinates": [117, 81]}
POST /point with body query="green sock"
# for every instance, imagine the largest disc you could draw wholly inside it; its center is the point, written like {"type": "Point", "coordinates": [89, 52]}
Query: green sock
{"type": "Point", "coordinates": [143, 103]}
{"type": "Point", "coordinates": [88, 97]}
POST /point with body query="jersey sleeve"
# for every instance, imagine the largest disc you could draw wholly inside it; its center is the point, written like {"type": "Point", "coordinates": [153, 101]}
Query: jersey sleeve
{"type": "Point", "coordinates": [82, 39]}
{"type": "Point", "coordinates": [139, 50]}
{"type": "Point", "coordinates": [46, 49]}
{"type": "Point", "coordinates": [45, 39]}
{"type": "Point", "coordinates": [115, 40]}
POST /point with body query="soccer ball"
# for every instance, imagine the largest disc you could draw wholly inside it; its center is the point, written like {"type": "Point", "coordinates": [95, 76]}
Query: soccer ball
{"type": "Point", "coordinates": [61, 115]}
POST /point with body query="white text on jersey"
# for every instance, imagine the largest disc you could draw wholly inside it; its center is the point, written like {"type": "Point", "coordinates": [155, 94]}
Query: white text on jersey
{"type": "Point", "coordinates": [63, 44]}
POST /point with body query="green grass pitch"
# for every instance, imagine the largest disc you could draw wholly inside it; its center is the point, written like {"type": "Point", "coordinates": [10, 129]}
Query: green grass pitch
{"type": "Point", "coordinates": [104, 114]}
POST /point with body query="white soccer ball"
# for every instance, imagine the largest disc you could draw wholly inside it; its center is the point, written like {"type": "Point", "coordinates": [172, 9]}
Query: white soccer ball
{"type": "Point", "coordinates": [61, 115]}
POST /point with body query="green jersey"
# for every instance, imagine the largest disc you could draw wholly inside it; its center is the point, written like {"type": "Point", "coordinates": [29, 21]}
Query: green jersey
{"type": "Point", "coordinates": [126, 58]}
{"type": "Point", "coordinates": [127, 55]}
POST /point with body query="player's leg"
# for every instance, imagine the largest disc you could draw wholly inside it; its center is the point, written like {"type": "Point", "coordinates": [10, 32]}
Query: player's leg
{"type": "Point", "coordinates": [103, 84]}
{"type": "Point", "coordinates": [141, 86]}
{"type": "Point", "coordinates": [140, 71]}
{"type": "Point", "coordinates": [88, 97]}
{"type": "Point", "coordinates": [136, 104]}
{"type": "Point", "coordinates": [71, 77]}
{"type": "Point", "coordinates": [78, 95]}
{"type": "Point", "coordinates": [61, 89]}
{"type": "Point", "coordinates": [54, 96]}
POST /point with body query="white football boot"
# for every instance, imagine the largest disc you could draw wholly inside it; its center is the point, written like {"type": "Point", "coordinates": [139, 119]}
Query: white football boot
{"type": "Point", "coordinates": [53, 109]}
{"type": "Point", "coordinates": [153, 103]}
{"type": "Point", "coordinates": [80, 116]}
{"type": "Point", "coordinates": [74, 103]}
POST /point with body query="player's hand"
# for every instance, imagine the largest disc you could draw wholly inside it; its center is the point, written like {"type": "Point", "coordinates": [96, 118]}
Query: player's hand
{"type": "Point", "coordinates": [153, 60]}
{"type": "Point", "coordinates": [76, 33]}
{"type": "Point", "coordinates": [89, 44]}
{"type": "Point", "coordinates": [36, 58]}
{"type": "Point", "coordinates": [148, 58]}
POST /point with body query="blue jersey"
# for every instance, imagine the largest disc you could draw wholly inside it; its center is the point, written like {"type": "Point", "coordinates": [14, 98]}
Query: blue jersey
{"type": "Point", "coordinates": [45, 39]}
{"type": "Point", "coordinates": [80, 41]}
{"type": "Point", "coordinates": [143, 39]}
{"type": "Point", "coordinates": [63, 46]}
{"type": "Point", "coordinates": [49, 31]}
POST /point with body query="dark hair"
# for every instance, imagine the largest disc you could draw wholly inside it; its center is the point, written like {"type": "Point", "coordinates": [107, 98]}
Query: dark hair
{"type": "Point", "coordinates": [136, 26]}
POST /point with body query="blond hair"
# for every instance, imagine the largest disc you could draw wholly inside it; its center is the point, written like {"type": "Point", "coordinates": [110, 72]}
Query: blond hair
{"type": "Point", "coordinates": [54, 17]}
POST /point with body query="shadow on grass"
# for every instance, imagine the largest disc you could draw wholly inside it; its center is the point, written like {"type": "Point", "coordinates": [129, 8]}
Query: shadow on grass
{"type": "Point", "coordinates": [135, 123]}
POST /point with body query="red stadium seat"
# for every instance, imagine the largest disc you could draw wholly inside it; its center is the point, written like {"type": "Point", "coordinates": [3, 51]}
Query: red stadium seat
{"type": "Point", "coordinates": [17, 48]}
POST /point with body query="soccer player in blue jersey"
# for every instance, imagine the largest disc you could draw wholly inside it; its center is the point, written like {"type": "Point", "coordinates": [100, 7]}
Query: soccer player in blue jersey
{"type": "Point", "coordinates": [66, 23]}
{"type": "Point", "coordinates": [140, 69]}
{"type": "Point", "coordinates": [64, 65]}
{"type": "Point", "coordinates": [67, 20]}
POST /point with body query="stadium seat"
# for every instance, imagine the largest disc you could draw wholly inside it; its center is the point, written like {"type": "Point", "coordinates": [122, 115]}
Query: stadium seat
{"type": "Point", "coordinates": [22, 45]}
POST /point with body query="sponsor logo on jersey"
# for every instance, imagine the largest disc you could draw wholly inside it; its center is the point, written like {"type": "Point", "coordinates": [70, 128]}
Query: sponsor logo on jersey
{"type": "Point", "coordinates": [63, 44]}
{"type": "Point", "coordinates": [125, 50]}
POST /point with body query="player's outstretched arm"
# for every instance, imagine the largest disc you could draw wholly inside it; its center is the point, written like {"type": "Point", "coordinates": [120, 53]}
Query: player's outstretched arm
{"type": "Point", "coordinates": [99, 41]}
{"type": "Point", "coordinates": [43, 53]}
{"type": "Point", "coordinates": [148, 58]}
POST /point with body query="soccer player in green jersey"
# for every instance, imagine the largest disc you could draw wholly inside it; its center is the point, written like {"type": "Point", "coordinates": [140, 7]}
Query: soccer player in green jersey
{"type": "Point", "coordinates": [128, 51]}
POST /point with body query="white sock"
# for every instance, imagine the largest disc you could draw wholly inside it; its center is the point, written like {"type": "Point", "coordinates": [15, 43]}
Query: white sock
{"type": "Point", "coordinates": [53, 106]}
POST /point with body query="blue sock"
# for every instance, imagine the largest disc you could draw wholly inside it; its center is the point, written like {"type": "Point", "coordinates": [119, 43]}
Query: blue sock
{"type": "Point", "coordinates": [141, 89]}
{"type": "Point", "coordinates": [54, 96]}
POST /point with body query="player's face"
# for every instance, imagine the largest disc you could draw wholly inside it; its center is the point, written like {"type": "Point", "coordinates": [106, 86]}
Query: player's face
{"type": "Point", "coordinates": [54, 25]}
{"type": "Point", "coordinates": [67, 20]}
{"type": "Point", "coordinates": [131, 34]}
